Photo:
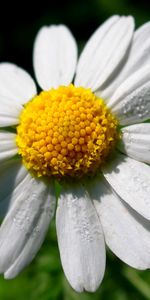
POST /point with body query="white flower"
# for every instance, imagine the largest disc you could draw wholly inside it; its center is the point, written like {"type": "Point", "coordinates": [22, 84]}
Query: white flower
{"type": "Point", "coordinates": [113, 207]}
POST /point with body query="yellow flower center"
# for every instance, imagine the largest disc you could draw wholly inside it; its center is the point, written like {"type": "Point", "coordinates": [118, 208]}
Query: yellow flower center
{"type": "Point", "coordinates": [65, 132]}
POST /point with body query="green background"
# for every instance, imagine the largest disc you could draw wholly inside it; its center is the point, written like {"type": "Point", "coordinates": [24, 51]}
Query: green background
{"type": "Point", "coordinates": [19, 23]}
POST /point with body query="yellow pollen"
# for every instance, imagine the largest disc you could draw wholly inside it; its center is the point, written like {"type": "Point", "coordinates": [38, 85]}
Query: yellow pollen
{"type": "Point", "coordinates": [65, 132]}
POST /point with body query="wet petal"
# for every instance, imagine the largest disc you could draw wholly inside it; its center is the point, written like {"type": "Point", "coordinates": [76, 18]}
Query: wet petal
{"type": "Point", "coordinates": [80, 240]}
{"type": "Point", "coordinates": [25, 225]}
{"type": "Point", "coordinates": [130, 103]}
{"type": "Point", "coordinates": [127, 234]}
{"type": "Point", "coordinates": [135, 142]}
{"type": "Point", "coordinates": [131, 181]}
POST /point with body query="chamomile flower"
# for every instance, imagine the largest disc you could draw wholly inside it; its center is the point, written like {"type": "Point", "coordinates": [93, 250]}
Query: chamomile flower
{"type": "Point", "coordinates": [93, 136]}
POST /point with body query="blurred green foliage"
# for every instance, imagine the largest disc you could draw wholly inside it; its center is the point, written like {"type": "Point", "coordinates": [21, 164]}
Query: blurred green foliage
{"type": "Point", "coordinates": [20, 22]}
{"type": "Point", "coordinates": [44, 278]}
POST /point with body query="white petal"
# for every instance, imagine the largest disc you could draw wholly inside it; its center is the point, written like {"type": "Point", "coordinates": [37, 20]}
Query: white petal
{"type": "Point", "coordinates": [131, 101]}
{"type": "Point", "coordinates": [131, 181]}
{"type": "Point", "coordinates": [135, 142]}
{"type": "Point", "coordinates": [104, 52]}
{"type": "Point", "coordinates": [25, 225]}
{"type": "Point", "coordinates": [127, 234]}
{"type": "Point", "coordinates": [54, 57]}
{"type": "Point", "coordinates": [80, 240]}
{"type": "Point", "coordinates": [8, 146]}
{"type": "Point", "coordinates": [16, 84]}
{"type": "Point", "coordinates": [16, 88]}
{"type": "Point", "coordinates": [9, 112]}
{"type": "Point", "coordinates": [139, 56]}
{"type": "Point", "coordinates": [12, 173]}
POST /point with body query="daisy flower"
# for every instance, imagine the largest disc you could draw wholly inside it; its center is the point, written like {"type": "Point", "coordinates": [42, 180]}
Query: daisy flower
{"type": "Point", "coordinates": [92, 136]}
